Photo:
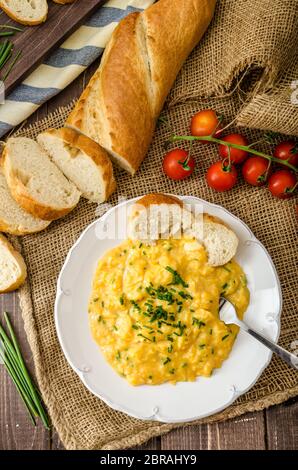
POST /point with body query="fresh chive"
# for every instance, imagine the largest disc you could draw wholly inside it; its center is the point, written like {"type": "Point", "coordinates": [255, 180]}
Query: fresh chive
{"type": "Point", "coordinates": [202, 346]}
{"type": "Point", "coordinates": [6, 33]}
{"type": "Point", "coordinates": [226, 269]}
{"type": "Point", "coordinates": [170, 348]}
{"type": "Point", "coordinates": [121, 300]}
{"type": "Point", "coordinates": [145, 337]}
{"type": "Point", "coordinates": [118, 355]}
{"type": "Point", "coordinates": [177, 279]}
{"type": "Point", "coordinates": [172, 371]}
{"type": "Point", "coordinates": [15, 366]}
{"type": "Point", "coordinates": [210, 331]}
{"type": "Point", "coordinates": [95, 299]}
{"type": "Point", "coordinates": [224, 337]}
{"type": "Point", "coordinates": [8, 26]}
{"type": "Point", "coordinates": [166, 361]}
{"type": "Point", "coordinates": [196, 321]}
{"type": "Point", "coordinates": [135, 305]}
{"type": "Point", "coordinates": [135, 327]}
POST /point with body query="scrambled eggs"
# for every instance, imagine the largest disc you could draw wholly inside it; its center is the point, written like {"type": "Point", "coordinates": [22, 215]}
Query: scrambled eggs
{"type": "Point", "coordinates": [154, 310]}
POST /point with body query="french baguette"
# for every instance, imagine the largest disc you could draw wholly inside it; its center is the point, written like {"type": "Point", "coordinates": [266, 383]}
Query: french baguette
{"type": "Point", "coordinates": [35, 182]}
{"type": "Point", "coordinates": [121, 104]}
{"type": "Point", "coordinates": [13, 219]}
{"type": "Point", "coordinates": [13, 270]}
{"type": "Point", "coordinates": [82, 161]}
{"type": "Point", "coordinates": [26, 12]}
{"type": "Point", "coordinates": [219, 240]}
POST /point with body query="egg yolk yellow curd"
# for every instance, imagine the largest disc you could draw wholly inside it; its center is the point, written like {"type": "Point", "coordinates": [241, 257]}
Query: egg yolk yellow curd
{"type": "Point", "coordinates": [154, 310]}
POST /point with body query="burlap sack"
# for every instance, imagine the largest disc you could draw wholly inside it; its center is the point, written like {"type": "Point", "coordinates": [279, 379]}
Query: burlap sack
{"type": "Point", "coordinates": [244, 34]}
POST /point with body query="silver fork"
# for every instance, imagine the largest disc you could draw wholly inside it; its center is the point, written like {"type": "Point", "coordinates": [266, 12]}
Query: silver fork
{"type": "Point", "coordinates": [228, 315]}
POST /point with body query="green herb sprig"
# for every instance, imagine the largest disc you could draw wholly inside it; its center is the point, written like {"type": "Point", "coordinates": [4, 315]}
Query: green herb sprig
{"type": "Point", "coordinates": [6, 49]}
{"type": "Point", "coordinates": [11, 356]}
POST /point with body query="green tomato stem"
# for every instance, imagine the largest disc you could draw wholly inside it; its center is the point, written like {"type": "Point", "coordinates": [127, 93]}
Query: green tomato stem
{"type": "Point", "coordinates": [208, 138]}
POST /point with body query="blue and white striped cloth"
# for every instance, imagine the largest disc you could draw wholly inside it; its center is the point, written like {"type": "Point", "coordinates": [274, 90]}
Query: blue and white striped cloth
{"type": "Point", "coordinates": [66, 63]}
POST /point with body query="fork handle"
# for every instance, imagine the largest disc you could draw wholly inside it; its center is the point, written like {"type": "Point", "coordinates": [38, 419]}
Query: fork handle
{"type": "Point", "coordinates": [288, 357]}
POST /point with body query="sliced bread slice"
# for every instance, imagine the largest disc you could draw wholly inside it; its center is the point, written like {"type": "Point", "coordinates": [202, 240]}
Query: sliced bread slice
{"type": "Point", "coordinates": [219, 240]}
{"type": "Point", "coordinates": [83, 161]}
{"type": "Point", "coordinates": [27, 12]}
{"type": "Point", "coordinates": [13, 219]}
{"type": "Point", "coordinates": [35, 182]}
{"type": "Point", "coordinates": [13, 270]}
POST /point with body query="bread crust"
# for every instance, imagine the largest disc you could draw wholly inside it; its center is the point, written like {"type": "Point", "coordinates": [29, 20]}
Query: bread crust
{"type": "Point", "coordinates": [91, 148]}
{"type": "Point", "coordinates": [4, 227]}
{"type": "Point", "coordinates": [136, 73]}
{"type": "Point", "coordinates": [21, 195]}
{"type": "Point", "coordinates": [20, 20]}
{"type": "Point", "coordinates": [20, 260]}
{"type": "Point", "coordinates": [158, 198]}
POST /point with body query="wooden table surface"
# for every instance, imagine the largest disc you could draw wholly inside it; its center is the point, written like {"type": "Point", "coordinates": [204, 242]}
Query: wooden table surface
{"type": "Point", "coordinates": [274, 428]}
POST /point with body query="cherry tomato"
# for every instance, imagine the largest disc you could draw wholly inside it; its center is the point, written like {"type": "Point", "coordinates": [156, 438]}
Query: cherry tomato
{"type": "Point", "coordinates": [178, 164]}
{"type": "Point", "coordinates": [287, 150]}
{"type": "Point", "coordinates": [254, 170]}
{"type": "Point", "coordinates": [237, 155]}
{"type": "Point", "coordinates": [205, 123]}
{"type": "Point", "coordinates": [281, 184]}
{"type": "Point", "coordinates": [221, 177]}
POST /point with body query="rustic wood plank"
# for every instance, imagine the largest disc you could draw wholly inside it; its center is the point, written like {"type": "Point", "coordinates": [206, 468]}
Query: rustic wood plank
{"type": "Point", "coordinates": [37, 42]}
{"type": "Point", "coordinates": [282, 428]}
{"type": "Point", "coordinates": [187, 438]}
{"type": "Point", "coordinates": [245, 432]}
{"type": "Point", "coordinates": [16, 429]}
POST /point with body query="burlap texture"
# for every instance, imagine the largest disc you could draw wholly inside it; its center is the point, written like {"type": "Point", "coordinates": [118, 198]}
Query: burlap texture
{"type": "Point", "coordinates": [244, 35]}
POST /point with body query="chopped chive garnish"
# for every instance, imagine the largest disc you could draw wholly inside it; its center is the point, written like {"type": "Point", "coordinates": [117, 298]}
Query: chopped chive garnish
{"type": "Point", "coordinates": [172, 371]}
{"type": "Point", "coordinates": [136, 327]}
{"type": "Point", "coordinates": [202, 346]}
{"type": "Point", "coordinates": [118, 356]}
{"type": "Point", "coordinates": [177, 279]}
{"type": "Point", "coordinates": [224, 337]}
{"type": "Point", "coordinates": [170, 348]}
{"type": "Point", "coordinates": [226, 269]}
{"type": "Point", "coordinates": [145, 337]}
{"type": "Point", "coordinates": [166, 361]}
{"type": "Point", "coordinates": [121, 300]}
{"type": "Point", "coordinates": [135, 305]}
{"type": "Point", "coordinates": [196, 321]}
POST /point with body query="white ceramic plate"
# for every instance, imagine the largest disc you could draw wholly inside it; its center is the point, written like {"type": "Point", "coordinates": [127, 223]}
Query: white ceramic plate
{"type": "Point", "coordinates": [184, 401]}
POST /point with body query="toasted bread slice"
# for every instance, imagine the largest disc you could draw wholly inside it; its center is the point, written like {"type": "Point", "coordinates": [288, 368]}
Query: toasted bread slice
{"type": "Point", "coordinates": [13, 219]}
{"type": "Point", "coordinates": [13, 270]}
{"type": "Point", "coordinates": [219, 240]}
{"type": "Point", "coordinates": [26, 12]}
{"type": "Point", "coordinates": [82, 161]}
{"type": "Point", "coordinates": [35, 182]}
